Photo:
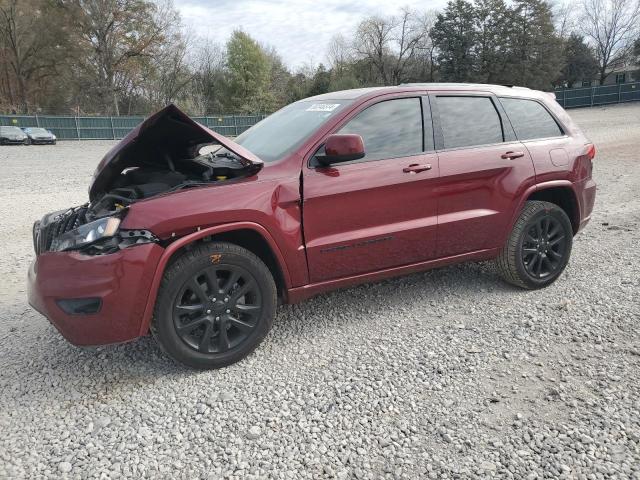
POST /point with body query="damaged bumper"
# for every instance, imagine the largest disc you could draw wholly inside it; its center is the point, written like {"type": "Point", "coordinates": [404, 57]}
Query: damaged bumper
{"type": "Point", "coordinates": [94, 300]}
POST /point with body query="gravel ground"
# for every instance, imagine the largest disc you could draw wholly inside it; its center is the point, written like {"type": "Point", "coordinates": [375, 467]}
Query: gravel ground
{"type": "Point", "coordinates": [454, 375]}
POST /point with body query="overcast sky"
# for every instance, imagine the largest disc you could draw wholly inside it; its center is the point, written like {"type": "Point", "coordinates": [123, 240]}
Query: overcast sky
{"type": "Point", "coordinates": [299, 29]}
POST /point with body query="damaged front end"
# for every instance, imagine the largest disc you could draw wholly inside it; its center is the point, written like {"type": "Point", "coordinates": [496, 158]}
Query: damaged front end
{"type": "Point", "coordinates": [72, 229]}
{"type": "Point", "coordinates": [162, 155]}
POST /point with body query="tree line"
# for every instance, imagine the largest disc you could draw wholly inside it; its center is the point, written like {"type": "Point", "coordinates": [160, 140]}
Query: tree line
{"type": "Point", "coordinates": [125, 57]}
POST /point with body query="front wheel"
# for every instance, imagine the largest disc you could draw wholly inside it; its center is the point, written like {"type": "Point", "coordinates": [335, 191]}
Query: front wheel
{"type": "Point", "coordinates": [215, 305]}
{"type": "Point", "coordinates": [539, 247]}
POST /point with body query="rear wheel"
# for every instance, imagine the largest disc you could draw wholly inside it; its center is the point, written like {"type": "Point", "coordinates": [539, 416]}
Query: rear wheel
{"type": "Point", "coordinates": [215, 305]}
{"type": "Point", "coordinates": [538, 248]}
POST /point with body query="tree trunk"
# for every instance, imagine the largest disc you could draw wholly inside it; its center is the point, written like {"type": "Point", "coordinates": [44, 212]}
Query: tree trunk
{"type": "Point", "coordinates": [116, 109]}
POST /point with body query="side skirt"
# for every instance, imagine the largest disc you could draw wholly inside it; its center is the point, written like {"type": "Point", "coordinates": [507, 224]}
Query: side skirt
{"type": "Point", "coordinates": [298, 294]}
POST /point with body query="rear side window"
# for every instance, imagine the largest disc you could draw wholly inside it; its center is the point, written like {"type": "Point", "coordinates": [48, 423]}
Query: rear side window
{"type": "Point", "coordinates": [389, 129]}
{"type": "Point", "coordinates": [530, 119]}
{"type": "Point", "coordinates": [468, 121]}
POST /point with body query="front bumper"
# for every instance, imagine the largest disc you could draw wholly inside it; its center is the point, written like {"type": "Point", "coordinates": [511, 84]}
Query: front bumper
{"type": "Point", "coordinates": [13, 141]}
{"type": "Point", "coordinates": [120, 280]}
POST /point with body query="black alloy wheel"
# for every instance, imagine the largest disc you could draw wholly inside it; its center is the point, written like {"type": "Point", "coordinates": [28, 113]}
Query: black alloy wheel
{"type": "Point", "coordinates": [217, 308]}
{"type": "Point", "coordinates": [539, 246]}
{"type": "Point", "coordinates": [544, 247]}
{"type": "Point", "coordinates": [216, 303]}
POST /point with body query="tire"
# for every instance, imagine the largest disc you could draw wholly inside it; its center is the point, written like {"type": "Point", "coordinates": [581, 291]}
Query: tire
{"type": "Point", "coordinates": [538, 248]}
{"type": "Point", "coordinates": [196, 301]}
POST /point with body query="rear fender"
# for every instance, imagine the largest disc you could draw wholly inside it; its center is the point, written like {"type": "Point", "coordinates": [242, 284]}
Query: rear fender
{"type": "Point", "coordinates": [536, 188]}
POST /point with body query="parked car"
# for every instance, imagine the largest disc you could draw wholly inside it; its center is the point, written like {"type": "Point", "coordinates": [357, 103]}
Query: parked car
{"type": "Point", "coordinates": [331, 191]}
{"type": "Point", "coordinates": [40, 136]}
{"type": "Point", "coordinates": [12, 136]}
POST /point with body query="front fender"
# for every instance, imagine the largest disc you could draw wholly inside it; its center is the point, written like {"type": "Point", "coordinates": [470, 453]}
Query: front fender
{"type": "Point", "coordinates": [198, 235]}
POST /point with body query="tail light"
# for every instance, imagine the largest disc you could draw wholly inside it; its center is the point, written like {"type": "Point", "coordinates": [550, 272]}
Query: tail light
{"type": "Point", "coordinates": [591, 151]}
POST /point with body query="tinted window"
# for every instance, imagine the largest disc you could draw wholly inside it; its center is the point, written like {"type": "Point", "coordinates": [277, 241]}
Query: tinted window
{"type": "Point", "coordinates": [530, 119]}
{"type": "Point", "coordinates": [467, 121]}
{"type": "Point", "coordinates": [390, 129]}
{"type": "Point", "coordinates": [281, 132]}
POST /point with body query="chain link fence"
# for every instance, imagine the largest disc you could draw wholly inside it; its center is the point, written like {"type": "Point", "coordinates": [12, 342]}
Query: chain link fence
{"type": "Point", "coordinates": [602, 95]}
{"type": "Point", "coordinates": [113, 128]}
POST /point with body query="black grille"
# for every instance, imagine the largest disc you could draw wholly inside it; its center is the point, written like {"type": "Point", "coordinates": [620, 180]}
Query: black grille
{"type": "Point", "coordinates": [50, 227]}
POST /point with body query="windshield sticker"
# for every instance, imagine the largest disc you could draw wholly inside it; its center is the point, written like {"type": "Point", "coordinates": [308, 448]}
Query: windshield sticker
{"type": "Point", "coordinates": [323, 107]}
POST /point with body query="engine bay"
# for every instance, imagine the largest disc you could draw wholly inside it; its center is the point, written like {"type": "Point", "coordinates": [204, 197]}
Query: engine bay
{"type": "Point", "coordinates": [166, 153]}
{"type": "Point", "coordinates": [139, 183]}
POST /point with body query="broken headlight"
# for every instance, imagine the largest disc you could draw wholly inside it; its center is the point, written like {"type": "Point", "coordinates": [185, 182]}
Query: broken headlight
{"type": "Point", "coordinates": [86, 234]}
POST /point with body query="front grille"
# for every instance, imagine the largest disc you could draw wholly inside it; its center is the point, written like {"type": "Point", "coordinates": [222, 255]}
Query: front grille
{"type": "Point", "coordinates": [52, 226]}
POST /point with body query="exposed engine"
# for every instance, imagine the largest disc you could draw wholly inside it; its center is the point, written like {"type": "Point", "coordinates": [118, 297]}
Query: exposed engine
{"type": "Point", "coordinates": [162, 155]}
{"type": "Point", "coordinates": [142, 182]}
{"type": "Point", "coordinates": [132, 185]}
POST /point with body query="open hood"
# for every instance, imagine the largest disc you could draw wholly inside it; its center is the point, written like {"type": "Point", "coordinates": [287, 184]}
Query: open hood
{"type": "Point", "coordinates": [166, 138]}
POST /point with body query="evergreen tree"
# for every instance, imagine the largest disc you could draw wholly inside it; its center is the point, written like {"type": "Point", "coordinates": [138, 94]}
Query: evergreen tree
{"type": "Point", "coordinates": [579, 62]}
{"type": "Point", "coordinates": [249, 72]}
{"type": "Point", "coordinates": [455, 38]}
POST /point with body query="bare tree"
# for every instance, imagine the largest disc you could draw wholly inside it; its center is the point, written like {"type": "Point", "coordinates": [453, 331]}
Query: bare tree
{"type": "Point", "coordinates": [117, 34]}
{"type": "Point", "coordinates": [372, 44]}
{"type": "Point", "coordinates": [339, 53]}
{"type": "Point", "coordinates": [207, 88]}
{"type": "Point", "coordinates": [390, 44]}
{"type": "Point", "coordinates": [564, 16]}
{"type": "Point", "coordinates": [27, 48]}
{"type": "Point", "coordinates": [611, 26]}
{"type": "Point", "coordinates": [408, 36]}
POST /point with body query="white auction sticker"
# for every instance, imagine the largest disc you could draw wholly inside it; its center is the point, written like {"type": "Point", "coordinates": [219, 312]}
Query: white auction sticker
{"type": "Point", "coordinates": [323, 107]}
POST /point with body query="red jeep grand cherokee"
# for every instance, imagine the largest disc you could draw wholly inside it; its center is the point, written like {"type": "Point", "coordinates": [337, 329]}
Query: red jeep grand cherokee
{"type": "Point", "coordinates": [195, 238]}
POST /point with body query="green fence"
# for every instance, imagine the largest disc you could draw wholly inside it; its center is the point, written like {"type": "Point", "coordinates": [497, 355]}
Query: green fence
{"type": "Point", "coordinates": [111, 128]}
{"type": "Point", "coordinates": [593, 96]}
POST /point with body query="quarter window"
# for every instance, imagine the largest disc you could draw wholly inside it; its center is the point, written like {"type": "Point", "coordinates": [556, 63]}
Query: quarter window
{"type": "Point", "coordinates": [468, 121]}
{"type": "Point", "coordinates": [389, 129]}
{"type": "Point", "coordinates": [530, 119]}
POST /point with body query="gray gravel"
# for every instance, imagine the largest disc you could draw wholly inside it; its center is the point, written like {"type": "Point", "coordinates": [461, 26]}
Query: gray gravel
{"type": "Point", "coordinates": [453, 375]}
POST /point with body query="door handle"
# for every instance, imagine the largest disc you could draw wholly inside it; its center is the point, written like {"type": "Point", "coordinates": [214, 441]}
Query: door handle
{"type": "Point", "coordinates": [512, 155]}
{"type": "Point", "coordinates": [417, 168]}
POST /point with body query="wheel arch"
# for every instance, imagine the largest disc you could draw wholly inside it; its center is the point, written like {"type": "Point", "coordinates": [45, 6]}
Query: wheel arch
{"type": "Point", "coordinates": [563, 196]}
{"type": "Point", "coordinates": [559, 192]}
{"type": "Point", "coordinates": [249, 235]}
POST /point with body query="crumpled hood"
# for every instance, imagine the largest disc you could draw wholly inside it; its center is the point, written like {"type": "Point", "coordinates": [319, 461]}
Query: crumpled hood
{"type": "Point", "coordinates": [167, 136]}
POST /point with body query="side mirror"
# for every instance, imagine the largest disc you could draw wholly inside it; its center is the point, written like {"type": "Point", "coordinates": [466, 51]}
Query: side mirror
{"type": "Point", "coordinates": [341, 148]}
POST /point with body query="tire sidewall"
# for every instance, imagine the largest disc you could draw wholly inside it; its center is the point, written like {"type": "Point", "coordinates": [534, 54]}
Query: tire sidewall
{"type": "Point", "coordinates": [559, 215]}
{"type": "Point", "coordinates": [165, 329]}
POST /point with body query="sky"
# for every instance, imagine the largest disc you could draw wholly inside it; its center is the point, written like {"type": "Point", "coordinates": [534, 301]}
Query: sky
{"type": "Point", "coordinates": [300, 30]}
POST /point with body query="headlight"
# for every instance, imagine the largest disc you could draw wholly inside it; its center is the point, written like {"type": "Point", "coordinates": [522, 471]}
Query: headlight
{"type": "Point", "coordinates": [86, 234]}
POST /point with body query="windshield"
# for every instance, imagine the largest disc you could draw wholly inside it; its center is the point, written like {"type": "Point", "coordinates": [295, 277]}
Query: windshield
{"type": "Point", "coordinates": [280, 133]}
{"type": "Point", "coordinates": [13, 130]}
{"type": "Point", "coordinates": [39, 131]}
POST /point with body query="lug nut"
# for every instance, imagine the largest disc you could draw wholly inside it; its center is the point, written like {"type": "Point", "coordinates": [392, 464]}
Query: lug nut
{"type": "Point", "coordinates": [226, 299]}
{"type": "Point", "coordinates": [228, 311]}
{"type": "Point", "coordinates": [208, 311]}
{"type": "Point", "coordinates": [217, 318]}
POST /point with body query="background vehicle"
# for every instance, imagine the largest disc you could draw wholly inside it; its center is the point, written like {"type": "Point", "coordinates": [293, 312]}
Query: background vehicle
{"type": "Point", "coordinates": [12, 136]}
{"type": "Point", "coordinates": [331, 191]}
{"type": "Point", "coordinates": [40, 136]}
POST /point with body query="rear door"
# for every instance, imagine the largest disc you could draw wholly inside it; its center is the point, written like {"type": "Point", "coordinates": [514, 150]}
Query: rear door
{"type": "Point", "coordinates": [549, 147]}
{"type": "Point", "coordinates": [380, 211]}
{"type": "Point", "coordinates": [483, 170]}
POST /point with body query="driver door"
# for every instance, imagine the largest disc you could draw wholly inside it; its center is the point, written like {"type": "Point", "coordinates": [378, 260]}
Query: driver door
{"type": "Point", "coordinates": [378, 212]}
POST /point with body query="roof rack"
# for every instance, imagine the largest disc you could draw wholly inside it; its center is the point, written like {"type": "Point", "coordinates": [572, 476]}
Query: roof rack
{"type": "Point", "coordinates": [455, 84]}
